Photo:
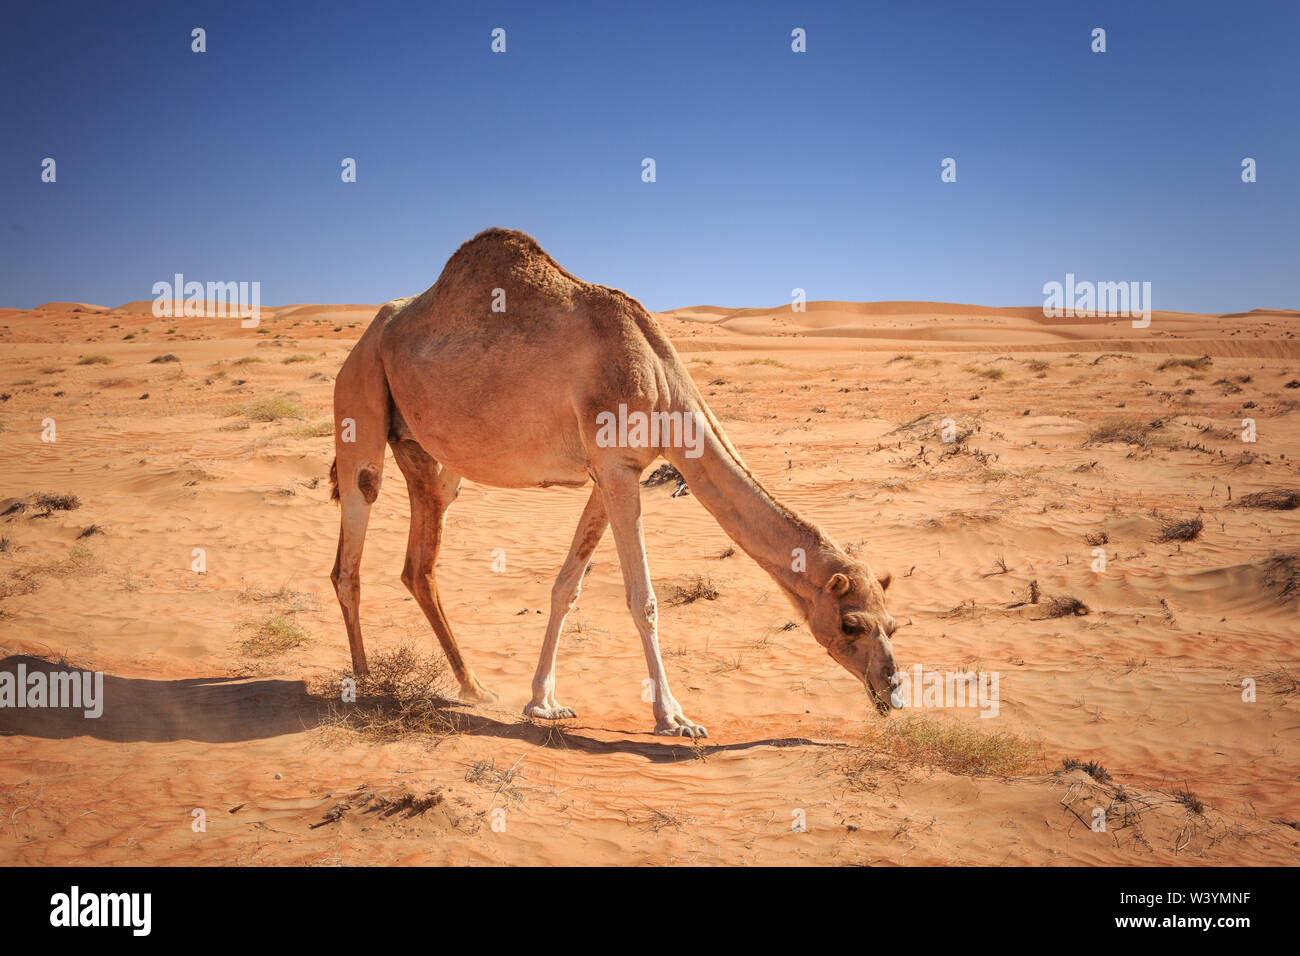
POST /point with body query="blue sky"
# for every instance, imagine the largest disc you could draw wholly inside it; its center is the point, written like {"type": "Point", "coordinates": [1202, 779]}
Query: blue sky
{"type": "Point", "coordinates": [775, 170]}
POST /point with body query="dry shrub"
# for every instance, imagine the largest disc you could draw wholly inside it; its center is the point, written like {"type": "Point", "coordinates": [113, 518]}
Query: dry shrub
{"type": "Point", "coordinates": [1130, 431]}
{"type": "Point", "coordinates": [1091, 768]}
{"type": "Point", "coordinates": [1065, 606]}
{"type": "Point", "coordinates": [1282, 574]}
{"type": "Point", "coordinates": [405, 693]}
{"type": "Point", "coordinates": [271, 636]}
{"type": "Point", "coordinates": [1274, 500]}
{"type": "Point", "coordinates": [1182, 529]}
{"type": "Point", "coordinates": [1199, 364]}
{"type": "Point", "coordinates": [958, 748]}
{"type": "Point", "coordinates": [699, 587]}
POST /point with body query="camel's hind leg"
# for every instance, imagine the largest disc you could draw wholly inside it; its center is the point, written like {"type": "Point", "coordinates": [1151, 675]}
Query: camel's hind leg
{"type": "Point", "coordinates": [591, 527]}
{"type": "Point", "coordinates": [432, 487]}
{"type": "Point", "coordinates": [356, 474]}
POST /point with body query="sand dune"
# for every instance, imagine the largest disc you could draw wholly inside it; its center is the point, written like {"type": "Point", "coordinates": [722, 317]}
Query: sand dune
{"type": "Point", "coordinates": [839, 410]}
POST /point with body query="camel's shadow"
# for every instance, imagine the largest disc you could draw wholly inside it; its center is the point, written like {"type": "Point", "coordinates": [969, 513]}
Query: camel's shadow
{"type": "Point", "coordinates": [234, 709]}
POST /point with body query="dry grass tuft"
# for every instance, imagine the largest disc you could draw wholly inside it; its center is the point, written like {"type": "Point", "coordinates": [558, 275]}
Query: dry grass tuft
{"type": "Point", "coordinates": [699, 587]}
{"type": "Point", "coordinates": [1184, 529]}
{"type": "Point", "coordinates": [270, 409]}
{"type": "Point", "coordinates": [1130, 431]}
{"type": "Point", "coordinates": [1065, 606]}
{"type": "Point", "coordinates": [1091, 768]}
{"type": "Point", "coordinates": [1273, 500]}
{"type": "Point", "coordinates": [271, 636]}
{"type": "Point", "coordinates": [322, 429]}
{"type": "Point", "coordinates": [1282, 574]}
{"type": "Point", "coordinates": [1199, 364]}
{"type": "Point", "coordinates": [958, 748]}
{"type": "Point", "coordinates": [405, 693]}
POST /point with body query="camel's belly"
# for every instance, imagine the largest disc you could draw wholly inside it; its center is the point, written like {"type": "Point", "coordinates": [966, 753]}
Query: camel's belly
{"type": "Point", "coordinates": [497, 443]}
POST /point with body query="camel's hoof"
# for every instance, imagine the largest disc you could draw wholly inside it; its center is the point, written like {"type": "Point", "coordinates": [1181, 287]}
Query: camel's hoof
{"type": "Point", "coordinates": [476, 693]}
{"type": "Point", "coordinates": [549, 713]}
{"type": "Point", "coordinates": [679, 727]}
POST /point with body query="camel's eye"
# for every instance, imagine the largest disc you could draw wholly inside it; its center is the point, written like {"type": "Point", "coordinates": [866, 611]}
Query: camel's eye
{"type": "Point", "coordinates": [853, 626]}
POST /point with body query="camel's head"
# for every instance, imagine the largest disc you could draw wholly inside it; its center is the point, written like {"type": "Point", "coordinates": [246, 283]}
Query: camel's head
{"type": "Point", "coordinates": [849, 619]}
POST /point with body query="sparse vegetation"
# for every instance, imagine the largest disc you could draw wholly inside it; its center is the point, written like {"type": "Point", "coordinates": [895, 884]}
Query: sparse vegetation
{"type": "Point", "coordinates": [1090, 767]}
{"type": "Point", "coordinates": [95, 360]}
{"type": "Point", "coordinates": [405, 693]}
{"type": "Point", "coordinates": [270, 409]}
{"type": "Point", "coordinates": [699, 587]}
{"type": "Point", "coordinates": [1272, 500]}
{"type": "Point", "coordinates": [1199, 364]}
{"type": "Point", "coordinates": [1130, 431]}
{"type": "Point", "coordinates": [294, 359]}
{"type": "Point", "coordinates": [272, 636]}
{"type": "Point", "coordinates": [958, 748]}
{"type": "Point", "coordinates": [1182, 529]}
{"type": "Point", "coordinates": [1065, 606]}
{"type": "Point", "coordinates": [320, 429]}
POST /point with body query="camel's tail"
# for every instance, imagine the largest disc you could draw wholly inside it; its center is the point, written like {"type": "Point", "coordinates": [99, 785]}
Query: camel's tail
{"type": "Point", "coordinates": [334, 479]}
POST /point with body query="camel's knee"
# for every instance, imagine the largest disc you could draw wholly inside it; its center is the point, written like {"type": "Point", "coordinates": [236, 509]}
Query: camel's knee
{"type": "Point", "coordinates": [347, 587]}
{"type": "Point", "coordinates": [368, 481]}
{"type": "Point", "coordinates": [643, 607]}
{"type": "Point", "coordinates": [418, 580]}
{"type": "Point", "coordinates": [564, 595]}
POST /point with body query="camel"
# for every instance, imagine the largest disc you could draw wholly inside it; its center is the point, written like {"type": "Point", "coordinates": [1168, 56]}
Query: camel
{"type": "Point", "coordinates": [508, 371]}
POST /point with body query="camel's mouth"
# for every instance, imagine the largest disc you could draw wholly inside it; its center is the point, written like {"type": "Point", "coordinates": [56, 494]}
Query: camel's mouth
{"type": "Point", "coordinates": [883, 702]}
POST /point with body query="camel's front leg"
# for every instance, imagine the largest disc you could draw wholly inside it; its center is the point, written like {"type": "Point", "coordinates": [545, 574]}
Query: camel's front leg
{"type": "Point", "coordinates": [591, 527]}
{"type": "Point", "coordinates": [622, 494]}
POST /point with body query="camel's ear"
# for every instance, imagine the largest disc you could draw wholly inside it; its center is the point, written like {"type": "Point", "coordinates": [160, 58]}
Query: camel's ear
{"type": "Point", "coordinates": [837, 585]}
{"type": "Point", "coordinates": [885, 580]}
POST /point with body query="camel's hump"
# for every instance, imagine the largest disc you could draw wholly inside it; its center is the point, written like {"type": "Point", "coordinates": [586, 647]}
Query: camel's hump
{"type": "Point", "coordinates": [504, 253]}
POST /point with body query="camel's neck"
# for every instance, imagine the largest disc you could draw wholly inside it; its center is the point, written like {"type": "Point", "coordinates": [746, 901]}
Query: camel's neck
{"type": "Point", "coordinates": [794, 552]}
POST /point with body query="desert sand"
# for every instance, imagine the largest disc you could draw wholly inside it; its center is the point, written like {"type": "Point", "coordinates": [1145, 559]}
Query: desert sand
{"type": "Point", "coordinates": [1069, 436]}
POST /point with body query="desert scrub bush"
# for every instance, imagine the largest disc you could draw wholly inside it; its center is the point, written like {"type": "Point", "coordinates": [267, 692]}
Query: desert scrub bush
{"type": "Point", "coordinates": [271, 636]}
{"type": "Point", "coordinates": [699, 587]}
{"type": "Point", "coordinates": [1065, 606]}
{"type": "Point", "coordinates": [1090, 767]}
{"type": "Point", "coordinates": [406, 692]}
{"type": "Point", "coordinates": [310, 430]}
{"type": "Point", "coordinates": [1130, 431]}
{"type": "Point", "coordinates": [270, 409]}
{"type": "Point", "coordinates": [958, 748]}
{"type": "Point", "coordinates": [94, 360]}
{"type": "Point", "coordinates": [1273, 500]}
{"type": "Point", "coordinates": [1181, 529]}
{"type": "Point", "coordinates": [295, 359]}
{"type": "Point", "coordinates": [992, 374]}
{"type": "Point", "coordinates": [1198, 364]}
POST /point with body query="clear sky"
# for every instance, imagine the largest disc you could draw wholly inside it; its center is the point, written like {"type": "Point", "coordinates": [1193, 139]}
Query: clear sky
{"type": "Point", "coordinates": [775, 170]}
